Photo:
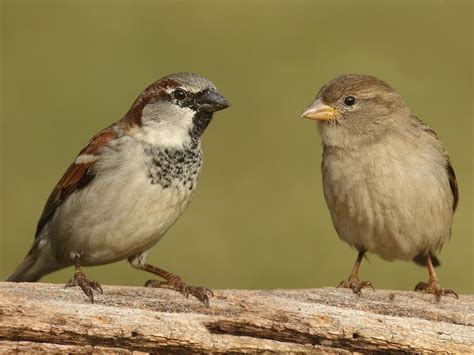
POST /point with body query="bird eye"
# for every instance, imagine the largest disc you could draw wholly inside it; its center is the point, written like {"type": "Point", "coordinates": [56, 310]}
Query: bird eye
{"type": "Point", "coordinates": [349, 100]}
{"type": "Point", "coordinates": [179, 94]}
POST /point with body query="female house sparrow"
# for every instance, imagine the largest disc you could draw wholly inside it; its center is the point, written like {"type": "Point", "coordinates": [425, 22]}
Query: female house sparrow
{"type": "Point", "coordinates": [128, 186]}
{"type": "Point", "coordinates": [387, 179]}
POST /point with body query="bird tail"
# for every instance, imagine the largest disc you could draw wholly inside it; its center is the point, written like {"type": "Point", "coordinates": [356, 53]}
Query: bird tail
{"type": "Point", "coordinates": [27, 271]}
{"type": "Point", "coordinates": [37, 263]}
{"type": "Point", "coordinates": [420, 260]}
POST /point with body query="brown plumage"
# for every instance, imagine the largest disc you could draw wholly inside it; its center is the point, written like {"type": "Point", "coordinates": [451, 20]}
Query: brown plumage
{"type": "Point", "coordinates": [76, 177]}
{"type": "Point", "coordinates": [127, 187]}
{"type": "Point", "coordinates": [387, 179]}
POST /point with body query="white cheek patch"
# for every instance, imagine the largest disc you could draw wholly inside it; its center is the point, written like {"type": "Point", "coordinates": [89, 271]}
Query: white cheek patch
{"type": "Point", "coordinates": [166, 124]}
{"type": "Point", "coordinates": [86, 159]}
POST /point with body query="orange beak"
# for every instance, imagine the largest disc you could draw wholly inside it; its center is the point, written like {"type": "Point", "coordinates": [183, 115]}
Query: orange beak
{"type": "Point", "coordinates": [319, 111]}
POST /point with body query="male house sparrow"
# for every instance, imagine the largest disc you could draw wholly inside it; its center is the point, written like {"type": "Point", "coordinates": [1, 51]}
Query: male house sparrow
{"type": "Point", "coordinates": [128, 186]}
{"type": "Point", "coordinates": [387, 179]}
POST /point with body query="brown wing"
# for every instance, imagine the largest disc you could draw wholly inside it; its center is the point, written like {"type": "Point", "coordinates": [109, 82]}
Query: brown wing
{"type": "Point", "coordinates": [453, 184]}
{"type": "Point", "coordinates": [449, 168]}
{"type": "Point", "coordinates": [77, 176]}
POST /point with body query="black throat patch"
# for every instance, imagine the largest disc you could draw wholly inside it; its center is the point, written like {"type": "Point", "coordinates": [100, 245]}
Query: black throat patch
{"type": "Point", "coordinates": [173, 167]}
{"type": "Point", "coordinates": [200, 122]}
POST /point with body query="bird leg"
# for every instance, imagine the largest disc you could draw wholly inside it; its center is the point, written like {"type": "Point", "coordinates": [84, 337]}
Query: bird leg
{"type": "Point", "coordinates": [353, 281]}
{"type": "Point", "coordinates": [173, 281]}
{"type": "Point", "coordinates": [433, 283]}
{"type": "Point", "coordinates": [80, 280]}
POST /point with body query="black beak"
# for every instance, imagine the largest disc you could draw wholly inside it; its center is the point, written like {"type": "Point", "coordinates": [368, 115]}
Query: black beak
{"type": "Point", "coordinates": [211, 101]}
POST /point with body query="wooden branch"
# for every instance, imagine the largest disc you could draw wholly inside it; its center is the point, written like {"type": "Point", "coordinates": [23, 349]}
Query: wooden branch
{"type": "Point", "coordinates": [47, 317]}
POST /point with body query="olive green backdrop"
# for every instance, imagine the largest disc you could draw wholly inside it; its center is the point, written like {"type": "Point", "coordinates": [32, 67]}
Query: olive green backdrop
{"type": "Point", "coordinates": [259, 219]}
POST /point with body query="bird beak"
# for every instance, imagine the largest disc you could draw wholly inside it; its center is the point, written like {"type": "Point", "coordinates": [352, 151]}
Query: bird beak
{"type": "Point", "coordinates": [319, 111]}
{"type": "Point", "coordinates": [211, 101]}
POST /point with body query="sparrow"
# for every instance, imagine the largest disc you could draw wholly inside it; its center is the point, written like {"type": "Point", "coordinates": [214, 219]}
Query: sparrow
{"type": "Point", "coordinates": [387, 179]}
{"type": "Point", "coordinates": [127, 187]}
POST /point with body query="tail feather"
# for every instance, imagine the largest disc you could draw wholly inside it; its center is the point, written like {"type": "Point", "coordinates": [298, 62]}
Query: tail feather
{"type": "Point", "coordinates": [27, 271]}
{"type": "Point", "coordinates": [420, 260]}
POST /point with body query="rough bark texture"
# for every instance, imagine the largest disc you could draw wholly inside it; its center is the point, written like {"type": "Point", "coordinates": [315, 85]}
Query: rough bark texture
{"type": "Point", "coordinates": [47, 317]}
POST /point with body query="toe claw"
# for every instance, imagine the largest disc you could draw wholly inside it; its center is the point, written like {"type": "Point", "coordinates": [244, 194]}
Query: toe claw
{"type": "Point", "coordinates": [88, 287]}
{"type": "Point", "coordinates": [201, 293]}
{"type": "Point", "coordinates": [89, 294]}
{"type": "Point", "coordinates": [156, 284]}
{"type": "Point", "coordinates": [434, 288]}
{"type": "Point", "coordinates": [451, 292]}
{"type": "Point", "coordinates": [70, 283]}
{"type": "Point", "coordinates": [149, 283]}
{"type": "Point", "coordinates": [356, 290]}
{"type": "Point", "coordinates": [96, 286]}
{"type": "Point", "coordinates": [205, 300]}
{"type": "Point", "coordinates": [447, 291]}
{"type": "Point", "coordinates": [183, 289]}
{"type": "Point", "coordinates": [356, 285]}
{"type": "Point", "coordinates": [421, 286]}
{"type": "Point", "coordinates": [209, 292]}
{"type": "Point", "coordinates": [367, 284]}
{"type": "Point", "coordinates": [342, 284]}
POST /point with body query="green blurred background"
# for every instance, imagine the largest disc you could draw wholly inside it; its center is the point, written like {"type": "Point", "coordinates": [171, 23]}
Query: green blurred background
{"type": "Point", "coordinates": [259, 219]}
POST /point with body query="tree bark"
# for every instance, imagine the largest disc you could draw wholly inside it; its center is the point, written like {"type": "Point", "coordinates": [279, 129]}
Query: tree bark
{"type": "Point", "coordinates": [47, 317]}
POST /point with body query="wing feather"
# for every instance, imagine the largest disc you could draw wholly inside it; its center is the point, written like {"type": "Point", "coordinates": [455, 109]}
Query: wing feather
{"type": "Point", "coordinates": [449, 167]}
{"type": "Point", "coordinates": [76, 177]}
{"type": "Point", "coordinates": [453, 184]}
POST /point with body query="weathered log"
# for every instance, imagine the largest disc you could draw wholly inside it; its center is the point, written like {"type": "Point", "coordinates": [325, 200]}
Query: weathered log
{"type": "Point", "coordinates": [47, 317]}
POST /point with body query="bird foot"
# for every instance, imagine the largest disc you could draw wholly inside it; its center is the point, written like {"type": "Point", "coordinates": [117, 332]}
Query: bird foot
{"type": "Point", "coordinates": [87, 286]}
{"type": "Point", "coordinates": [175, 283]}
{"type": "Point", "coordinates": [356, 285]}
{"type": "Point", "coordinates": [434, 288]}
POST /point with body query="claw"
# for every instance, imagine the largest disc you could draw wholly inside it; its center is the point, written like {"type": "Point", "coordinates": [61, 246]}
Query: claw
{"type": "Point", "coordinates": [70, 283]}
{"type": "Point", "coordinates": [356, 285]}
{"type": "Point", "coordinates": [421, 286]}
{"type": "Point", "coordinates": [89, 293]}
{"type": "Point", "coordinates": [447, 291]}
{"type": "Point", "coordinates": [85, 285]}
{"type": "Point", "coordinates": [96, 286]}
{"type": "Point", "coordinates": [201, 293]}
{"type": "Point", "coordinates": [155, 283]}
{"type": "Point", "coordinates": [80, 280]}
{"type": "Point", "coordinates": [367, 284]}
{"type": "Point", "coordinates": [434, 288]}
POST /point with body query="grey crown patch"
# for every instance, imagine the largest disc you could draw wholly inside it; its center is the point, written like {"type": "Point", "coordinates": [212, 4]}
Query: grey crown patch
{"type": "Point", "coordinates": [173, 167]}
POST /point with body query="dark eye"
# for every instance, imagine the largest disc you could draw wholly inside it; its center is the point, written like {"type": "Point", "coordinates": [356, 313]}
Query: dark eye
{"type": "Point", "coordinates": [349, 100]}
{"type": "Point", "coordinates": [179, 94]}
